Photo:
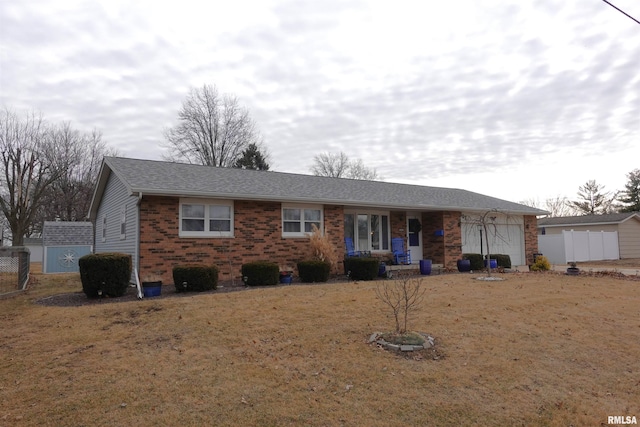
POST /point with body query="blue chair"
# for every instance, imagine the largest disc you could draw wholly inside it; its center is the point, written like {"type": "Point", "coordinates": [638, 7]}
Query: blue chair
{"type": "Point", "coordinates": [351, 251]}
{"type": "Point", "coordinates": [399, 254]}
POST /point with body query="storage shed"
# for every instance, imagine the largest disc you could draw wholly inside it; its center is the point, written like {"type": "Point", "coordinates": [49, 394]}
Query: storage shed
{"type": "Point", "coordinates": [64, 243]}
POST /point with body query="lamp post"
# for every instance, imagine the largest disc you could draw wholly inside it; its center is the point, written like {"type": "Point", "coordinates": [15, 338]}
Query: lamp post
{"type": "Point", "coordinates": [481, 250]}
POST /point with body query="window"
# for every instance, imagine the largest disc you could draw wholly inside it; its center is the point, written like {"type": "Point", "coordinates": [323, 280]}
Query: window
{"type": "Point", "coordinates": [298, 221]}
{"type": "Point", "coordinates": [203, 218]}
{"type": "Point", "coordinates": [369, 231]}
{"type": "Point", "coordinates": [104, 228]}
{"type": "Point", "coordinates": [123, 222]}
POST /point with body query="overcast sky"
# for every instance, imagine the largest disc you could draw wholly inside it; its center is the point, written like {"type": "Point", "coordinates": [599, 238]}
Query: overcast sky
{"type": "Point", "coordinates": [518, 99]}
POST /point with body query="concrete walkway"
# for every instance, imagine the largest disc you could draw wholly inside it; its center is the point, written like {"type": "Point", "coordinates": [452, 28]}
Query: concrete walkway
{"type": "Point", "coordinates": [627, 271]}
{"type": "Point", "coordinates": [591, 269]}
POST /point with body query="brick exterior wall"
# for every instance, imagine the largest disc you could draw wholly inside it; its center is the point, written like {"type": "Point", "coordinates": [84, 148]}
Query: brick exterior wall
{"type": "Point", "coordinates": [530, 237]}
{"type": "Point", "coordinates": [446, 249]}
{"type": "Point", "coordinates": [258, 236]}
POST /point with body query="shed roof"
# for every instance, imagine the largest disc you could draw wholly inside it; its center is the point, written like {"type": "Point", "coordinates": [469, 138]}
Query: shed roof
{"type": "Point", "coordinates": [67, 233]}
{"type": "Point", "coordinates": [150, 177]}
{"type": "Point", "coordinates": [563, 221]}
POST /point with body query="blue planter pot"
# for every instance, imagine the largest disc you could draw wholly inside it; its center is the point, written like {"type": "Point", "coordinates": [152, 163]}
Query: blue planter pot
{"type": "Point", "coordinates": [285, 279]}
{"type": "Point", "coordinates": [425, 267]}
{"type": "Point", "coordinates": [464, 265]}
{"type": "Point", "coordinates": [151, 289]}
{"type": "Point", "coordinates": [494, 263]}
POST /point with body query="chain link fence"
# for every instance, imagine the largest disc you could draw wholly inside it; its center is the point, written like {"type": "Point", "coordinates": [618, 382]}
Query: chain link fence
{"type": "Point", "coordinates": [14, 269]}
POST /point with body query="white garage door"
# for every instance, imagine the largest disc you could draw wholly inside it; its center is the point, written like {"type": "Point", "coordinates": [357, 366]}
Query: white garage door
{"type": "Point", "coordinates": [505, 238]}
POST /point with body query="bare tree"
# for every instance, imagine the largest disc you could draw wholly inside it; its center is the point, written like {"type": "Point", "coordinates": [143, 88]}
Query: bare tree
{"type": "Point", "coordinates": [403, 297]}
{"type": "Point", "coordinates": [488, 222]}
{"type": "Point", "coordinates": [338, 165]}
{"type": "Point", "coordinates": [357, 170]}
{"type": "Point", "coordinates": [556, 206]}
{"type": "Point", "coordinates": [28, 167]}
{"type": "Point", "coordinates": [68, 198]}
{"type": "Point", "coordinates": [213, 130]}
{"type": "Point", "coordinates": [334, 165]}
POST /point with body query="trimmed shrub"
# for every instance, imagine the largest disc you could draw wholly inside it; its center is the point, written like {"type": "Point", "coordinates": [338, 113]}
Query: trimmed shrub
{"type": "Point", "coordinates": [362, 268]}
{"type": "Point", "coordinates": [260, 273]}
{"type": "Point", "coordinates": [314, 271]}
{"type": "Point", "coordinates": [196, 278]}
{"type": "Point", "coordinates": [476, 261]}
{"type": "Point", "coordinates": [105, 274]}
{"type": "Point", "coordinates": [503, 260]}
{"type": "Point", "coordinates": [541, 264]}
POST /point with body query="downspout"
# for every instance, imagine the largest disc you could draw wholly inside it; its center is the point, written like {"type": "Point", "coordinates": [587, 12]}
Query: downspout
{"type": "Point", "coordinates": [137, 244]}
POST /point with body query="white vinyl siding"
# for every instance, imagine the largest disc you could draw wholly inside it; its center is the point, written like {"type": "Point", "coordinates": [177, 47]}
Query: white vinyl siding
{"type": "Point", "coordinates": [109, 227]}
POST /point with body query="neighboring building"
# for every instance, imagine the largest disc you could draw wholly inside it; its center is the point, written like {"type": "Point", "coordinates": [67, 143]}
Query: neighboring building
{"type": "Point", "coordinates": [166, 214]}
{"type": "Point", "coordinates": [64, 243]}
{"type": "Point", "coordinates": [627, 225]}
{"type": "Point", "coordinates": [36, 251]}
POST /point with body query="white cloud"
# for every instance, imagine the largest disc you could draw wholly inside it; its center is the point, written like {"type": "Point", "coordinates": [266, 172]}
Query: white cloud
{"type": "Point", "coordinates": [452, 94]}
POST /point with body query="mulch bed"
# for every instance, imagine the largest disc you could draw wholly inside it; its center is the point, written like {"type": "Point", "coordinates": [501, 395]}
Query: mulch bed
{"type": "Point", "coordinates": [76, 299]}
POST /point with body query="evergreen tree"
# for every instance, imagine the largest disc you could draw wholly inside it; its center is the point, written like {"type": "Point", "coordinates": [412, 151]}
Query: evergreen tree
{"type": "Point", "coordinates": [592, 199]}
{"type": "Point", "coordinates": [252, 158]}
{"type": "Point", "coordinates": [630, 197]}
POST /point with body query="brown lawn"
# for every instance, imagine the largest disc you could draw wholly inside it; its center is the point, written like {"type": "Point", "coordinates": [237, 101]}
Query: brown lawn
{"type": "Point", "coordinates": [537, 349]}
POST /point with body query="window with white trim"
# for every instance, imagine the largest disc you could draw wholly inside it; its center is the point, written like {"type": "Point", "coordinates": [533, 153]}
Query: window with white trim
{"type": "Point", "coordinates": [206, 218]}
{"type": "Point", "coordinates": [369, 230]}
{"type": "Point", "coordinates": [298, 221]}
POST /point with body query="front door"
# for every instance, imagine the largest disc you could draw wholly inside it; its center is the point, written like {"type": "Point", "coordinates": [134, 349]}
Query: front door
{"type": "Point", "coordinates": [414, 230]}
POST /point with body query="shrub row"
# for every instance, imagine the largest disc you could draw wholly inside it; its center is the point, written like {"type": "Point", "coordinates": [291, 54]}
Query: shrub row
{"type": "Point", "coordinates": [361, 268]}
{"type": "Point", "coordinates": [314, 271]}
{"type": "Point", "coordinates": [477, 263]}
{"type": "Point", "coordinates": [105, 274]}
{"type": "Point", "coordinates": [260, 273]}
{"type": "Point", "coordinates": [196, 278]}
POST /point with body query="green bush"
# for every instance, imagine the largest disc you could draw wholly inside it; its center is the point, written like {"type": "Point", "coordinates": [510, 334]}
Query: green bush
{"type": "Point", "coordinates": [196, 278]}
{"type": "Point", "coordinates": [260, 273]}
{"type": "Point", "coordinates": [503, 261]}
{"type": "Point", "coordinates": [105, 274]}
{"type": "Point", "coordinates": [541, 264]}
{"type": "Point", "coordinates": [362, 268]}
{"type": "Point", "coordinates": [476, 261]}
{"type": "Point", "coordinates": [314, 271]}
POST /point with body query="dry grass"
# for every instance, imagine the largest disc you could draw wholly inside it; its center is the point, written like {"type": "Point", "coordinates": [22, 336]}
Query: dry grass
{"type": "Point", "coordinates": [538, 349]}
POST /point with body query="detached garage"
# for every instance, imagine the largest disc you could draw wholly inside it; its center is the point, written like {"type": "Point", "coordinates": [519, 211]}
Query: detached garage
{"type": "Point", "coordinates": [626, 225]}
{"type": "Point", "coordinates": [64, 243]}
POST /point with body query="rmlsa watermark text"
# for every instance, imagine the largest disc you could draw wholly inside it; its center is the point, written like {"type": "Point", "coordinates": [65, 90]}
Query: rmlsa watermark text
{"type": "Point", "coordinates": [621, 419]}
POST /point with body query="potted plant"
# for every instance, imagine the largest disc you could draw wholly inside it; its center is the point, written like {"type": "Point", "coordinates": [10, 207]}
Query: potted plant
{"type": "Point", "coordinates": [464, 265]}
{"type": "Point", "coordinates": [151, 285]}
{"type": "Point", "coordinates": [286, 276]}
{"type": "Point", "coordinates": [572, 270]}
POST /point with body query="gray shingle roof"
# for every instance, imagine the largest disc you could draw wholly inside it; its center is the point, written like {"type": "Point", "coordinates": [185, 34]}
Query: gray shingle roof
{"type": "Point", "coordinates": [59, 233]}
{"type": "Point", "coordinates": [615, 218]}
{"type": "Point", "coordinates": [179, 179]}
